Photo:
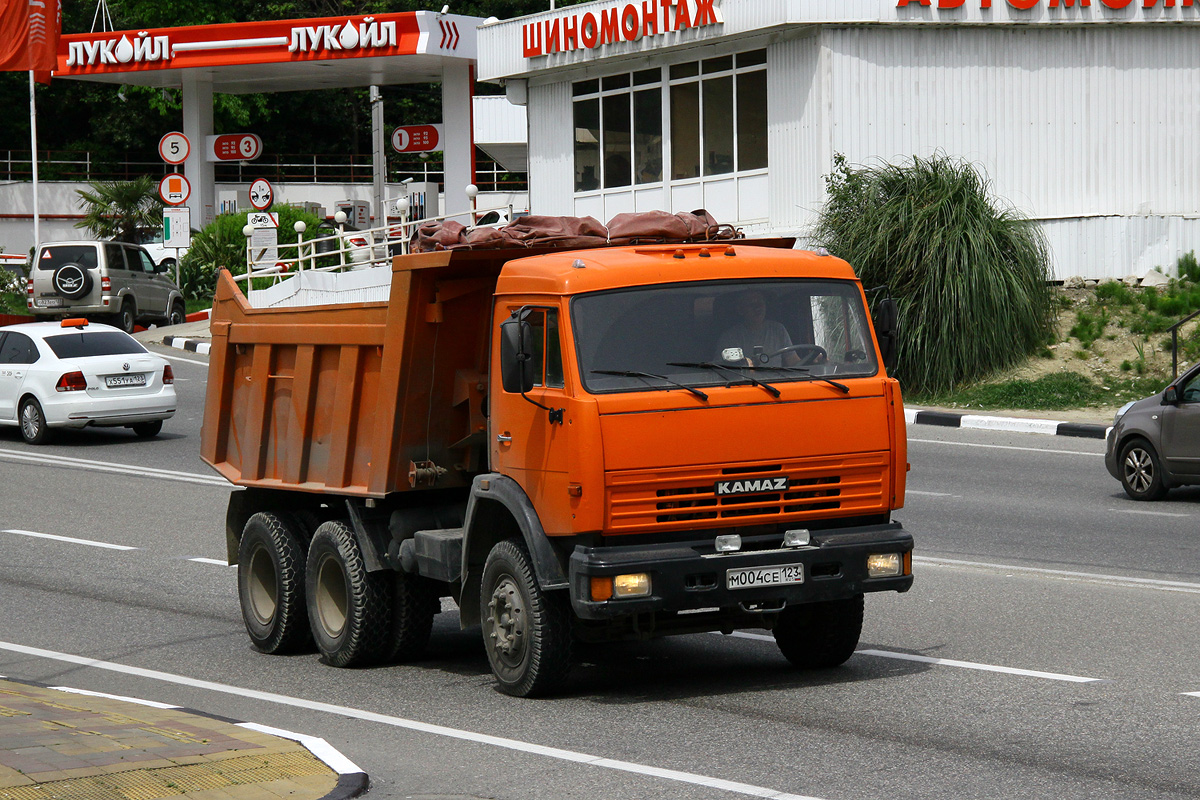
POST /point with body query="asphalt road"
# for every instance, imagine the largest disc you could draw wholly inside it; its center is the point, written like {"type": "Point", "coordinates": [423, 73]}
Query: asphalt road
{"type": "Point", "coordinates": [1048, 648]}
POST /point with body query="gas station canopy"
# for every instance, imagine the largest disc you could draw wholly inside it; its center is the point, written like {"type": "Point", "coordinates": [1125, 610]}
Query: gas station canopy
{"type": "Point", "coordinates": [290, 55]}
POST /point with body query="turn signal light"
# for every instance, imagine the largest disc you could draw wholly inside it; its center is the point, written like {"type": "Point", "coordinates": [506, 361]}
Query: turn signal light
{"type": "Point", "coordinates": [71, 382]}
{"type": "Point", "coordinates": [602, 589]}
{"type": "Point", "coordinates": [29, 284]}
{"type": "Point", "coordinates": [168, 375]}
{"type": "Point", "coordinates": [106, 284]}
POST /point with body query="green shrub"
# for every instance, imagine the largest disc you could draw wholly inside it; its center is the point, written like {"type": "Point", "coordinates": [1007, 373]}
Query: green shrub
{"type": "Point", "coordinates": [1188, 268]}
{"type": "Point", "coordinates": [970, 278]}
{"type": "Point", "coordinates": [1087, 328]}
{"type": "Point", "coordinates": [1114, 293]}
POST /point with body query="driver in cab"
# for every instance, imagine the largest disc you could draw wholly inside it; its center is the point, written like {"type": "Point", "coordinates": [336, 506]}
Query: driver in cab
{"type": "Point", "coordinates": [755, 341]}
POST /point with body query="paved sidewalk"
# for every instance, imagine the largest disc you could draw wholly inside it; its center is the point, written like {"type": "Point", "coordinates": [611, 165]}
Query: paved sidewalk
{"type": "Point", "coordinates": [62, 744]}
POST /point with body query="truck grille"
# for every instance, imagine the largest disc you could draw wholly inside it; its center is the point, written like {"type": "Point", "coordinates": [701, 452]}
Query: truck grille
{"type": "Point", "coordinates": [818, 487]}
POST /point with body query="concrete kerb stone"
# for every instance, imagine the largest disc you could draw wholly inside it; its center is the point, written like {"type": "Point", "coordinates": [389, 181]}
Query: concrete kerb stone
{"type": "Point", "coordinates": [947, 419]}
{"type": "Point", "coordinates": [191, 345]}
{"type": "Point", "coordinates": [165, 748]}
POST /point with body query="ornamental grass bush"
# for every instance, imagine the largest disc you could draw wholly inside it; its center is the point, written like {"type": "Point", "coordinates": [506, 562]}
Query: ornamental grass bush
{"type": "Point", "coordinates": [969, 274]}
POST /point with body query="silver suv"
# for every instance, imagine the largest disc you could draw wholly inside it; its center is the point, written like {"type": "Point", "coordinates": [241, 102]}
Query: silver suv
{"type": "Point", "coordinates": [112, 280]}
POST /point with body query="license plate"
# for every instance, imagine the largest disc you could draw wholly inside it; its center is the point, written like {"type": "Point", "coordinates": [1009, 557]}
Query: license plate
{"type": "Point", "coordinates": [754, 577]}
{"type": "Point", "coordinates": [116, 381]}
{"type": "Point", "coordinates": [48, 302]}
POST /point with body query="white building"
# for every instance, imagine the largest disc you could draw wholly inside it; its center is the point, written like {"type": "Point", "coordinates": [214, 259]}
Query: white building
{"type": "Point", "coordinates": [1083, 113]}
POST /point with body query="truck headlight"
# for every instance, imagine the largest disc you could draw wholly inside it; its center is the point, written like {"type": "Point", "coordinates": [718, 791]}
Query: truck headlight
{"type": "Point", "coordinates": [883, 565]}
{"type": "Point", "coordinates": [633, 585]}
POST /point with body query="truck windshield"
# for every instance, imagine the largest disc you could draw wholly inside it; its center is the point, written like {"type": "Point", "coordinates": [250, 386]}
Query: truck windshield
{"type": "Point", "coordinates": [721, 332]}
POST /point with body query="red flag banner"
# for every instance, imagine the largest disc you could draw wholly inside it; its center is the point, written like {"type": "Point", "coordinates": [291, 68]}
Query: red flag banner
{"type": "Point", "coordinates": [29, 31]}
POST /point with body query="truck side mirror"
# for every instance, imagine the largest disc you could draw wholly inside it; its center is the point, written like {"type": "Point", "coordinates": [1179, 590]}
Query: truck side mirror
{"type": "Point", "coordinates": [516, 362]}
{"type": "Point", "coordinates": [887, 330]}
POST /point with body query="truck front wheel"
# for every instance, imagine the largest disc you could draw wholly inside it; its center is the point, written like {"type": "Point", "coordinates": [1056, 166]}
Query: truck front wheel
{"type": "Point", "coordinates": [820, 635]}
{"type": "Point", "coordinates": [526, 631]}
{"type": "Point", "coordinates": [271, 584]}
{"type": "Point", "coordinates": [348, 607]}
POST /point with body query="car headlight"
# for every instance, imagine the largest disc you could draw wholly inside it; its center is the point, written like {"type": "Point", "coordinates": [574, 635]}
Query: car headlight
{"type": "Point", "coordinates": [1121, 411]}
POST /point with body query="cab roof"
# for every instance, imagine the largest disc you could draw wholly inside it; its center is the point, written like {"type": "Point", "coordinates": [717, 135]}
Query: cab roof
{"type": "Point", "coordinates": [580, 271]}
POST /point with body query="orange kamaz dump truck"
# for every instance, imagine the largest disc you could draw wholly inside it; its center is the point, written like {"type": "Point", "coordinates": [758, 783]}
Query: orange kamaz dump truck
{"type": "Point", "coordinates": [575, 446]}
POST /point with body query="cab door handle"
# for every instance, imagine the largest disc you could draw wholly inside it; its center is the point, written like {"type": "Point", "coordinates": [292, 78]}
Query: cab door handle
{"type": "Point", "coordinates": [504, 438]}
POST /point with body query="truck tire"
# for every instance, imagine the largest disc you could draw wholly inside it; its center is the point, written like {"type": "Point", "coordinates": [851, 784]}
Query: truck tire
{"type": "Point", "coordinates": [415, 601]}
{"type": "Point", "coordinates": [526, 632]}
{"type": "Point", "coordinates": [349, 608]}
{"type": "Point", "coordinates": [271, 584]}
{"type": "Point", "coordinates": [820, 635]}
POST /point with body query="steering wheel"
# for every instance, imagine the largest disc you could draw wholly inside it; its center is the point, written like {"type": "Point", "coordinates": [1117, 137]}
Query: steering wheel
{"type": "Point", "coordinates": [808, 353]}
{"type": "Point", "coordinates": [855, 356]}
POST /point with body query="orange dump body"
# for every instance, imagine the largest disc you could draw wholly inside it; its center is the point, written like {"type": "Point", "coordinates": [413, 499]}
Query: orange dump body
{"type": "Point", "coordinates": [355, 399]}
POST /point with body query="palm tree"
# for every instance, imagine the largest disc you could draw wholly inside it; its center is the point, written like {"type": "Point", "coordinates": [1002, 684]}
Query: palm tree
{"type": "Point", "coordinates": [120, 210]}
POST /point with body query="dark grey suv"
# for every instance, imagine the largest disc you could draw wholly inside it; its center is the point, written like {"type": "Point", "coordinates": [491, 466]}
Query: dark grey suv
{"type": "Point", "coordinates": [1154, 443]}
{"type": "Point", "coordinates": [115, 281]}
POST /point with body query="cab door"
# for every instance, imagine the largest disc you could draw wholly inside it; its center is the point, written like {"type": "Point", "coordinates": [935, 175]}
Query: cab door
{"type": "Point", "coordinates": [529, 435]}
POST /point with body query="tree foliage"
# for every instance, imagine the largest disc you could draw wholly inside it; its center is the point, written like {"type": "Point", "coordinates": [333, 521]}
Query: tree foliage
{"type": "Point", "coordinates": [970, 277]}
{"type": "Point", "coordinates": [120, 209]}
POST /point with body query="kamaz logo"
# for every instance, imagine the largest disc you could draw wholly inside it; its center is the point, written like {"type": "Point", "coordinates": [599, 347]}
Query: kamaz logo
{"type": "Point", "coordinates": [751, 486]}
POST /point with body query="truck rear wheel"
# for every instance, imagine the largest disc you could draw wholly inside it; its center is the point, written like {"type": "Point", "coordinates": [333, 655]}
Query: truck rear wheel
{"type": "Point", "coordinates": [271, 584]}
{"type": "Point", "coordinates": [415, 601]}
{"type": "Point", "coordinates": [820, 635]}
{"type": "Point", "coordinates": [527, 632]}
{"type": "Point", "coordinates": [348, 607]}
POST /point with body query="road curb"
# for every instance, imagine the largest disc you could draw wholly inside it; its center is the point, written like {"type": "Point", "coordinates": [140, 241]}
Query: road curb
{"type": "Point", "coordinates": [352, 781]}
{"type": "Point", "coordinates": [190, 345]}
{"type": "Point", "coordinates": [1051, 427]}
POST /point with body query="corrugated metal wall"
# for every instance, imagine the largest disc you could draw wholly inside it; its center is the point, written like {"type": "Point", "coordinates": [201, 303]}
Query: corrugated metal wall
{"type": "Point", "coordinates": [1069, 123]}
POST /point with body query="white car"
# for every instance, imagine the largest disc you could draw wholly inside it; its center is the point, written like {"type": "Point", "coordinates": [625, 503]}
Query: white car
{"type": "Point", "coordinates": [74, 374]}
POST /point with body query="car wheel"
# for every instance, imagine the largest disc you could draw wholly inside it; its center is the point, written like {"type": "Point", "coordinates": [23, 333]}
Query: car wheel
{"type": "Point", "coordinates": [415, 602]}
{"type": "Point", "coordinates": [33, 422]}
{"type": "Point", "coordinates": [1141, 472]}
{"type": "Point", "coordinates": [349, 609]}
{"type": "Point", "coordinates": [271, 584]}
{"type": "Point", "coordinates": [820, 635]}
{"type": "Point", "coordinates": [147, 430]}
{"type": "Point", "coordinates": [126, 316]}
{"type": "Point", "coordinates": [177, 315]}
{"type": "Point", "coordinates": [526, 631]}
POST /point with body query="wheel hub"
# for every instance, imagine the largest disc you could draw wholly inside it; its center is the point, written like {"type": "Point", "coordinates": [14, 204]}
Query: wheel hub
{"type": "Point", "coordinates": [507, 621]}
{"type": "Point", "coordinates": [1139, 470]}
{"type": "Point", "coordinates": [30, 421]}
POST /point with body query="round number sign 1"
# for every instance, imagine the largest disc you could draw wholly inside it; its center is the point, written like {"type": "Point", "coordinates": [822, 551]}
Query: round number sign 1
{"type": "Point", "coordinates": [261, 194]}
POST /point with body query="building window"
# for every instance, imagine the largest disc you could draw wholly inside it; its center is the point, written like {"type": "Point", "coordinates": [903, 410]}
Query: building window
{"type": "Point", "coordinates": [717, 118]}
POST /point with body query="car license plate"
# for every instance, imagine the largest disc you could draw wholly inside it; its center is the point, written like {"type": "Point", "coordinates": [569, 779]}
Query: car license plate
{"type": "Point", "coordinates": [48, 302]}
{"type": "Point", "coordinates": [754, 577]}
{"type": "Point", "coordinates": [117, 381]}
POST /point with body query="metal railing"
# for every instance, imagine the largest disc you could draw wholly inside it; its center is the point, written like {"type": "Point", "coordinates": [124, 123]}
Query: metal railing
{"type": "Point", "coordinates": [68, 165]}
{"type": "Point", "coordinates": [352, 249]}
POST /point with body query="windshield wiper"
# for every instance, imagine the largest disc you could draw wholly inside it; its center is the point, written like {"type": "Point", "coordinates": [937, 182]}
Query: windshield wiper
{"type": "Point", "coordinates": [710, 365]}
{"type": "Point", "coordinates": [636, 374]}
{"type": "Point", "coordinates": [807, 371]}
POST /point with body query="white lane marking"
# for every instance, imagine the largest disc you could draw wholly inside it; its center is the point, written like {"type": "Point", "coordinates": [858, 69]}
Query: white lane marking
{"type": "Point", "coordinates": [107, 466]}
{"type": "Point", "coordinates": [1007, 447]}
{"type": "Point", "coordinates": [949, 662]}
{"type": "Point", "coordinates": [69, 539]}
{"type": "Point", "coordinates": [216, 561]}
{"type": "Point", "coordinates": [316, 745]}
{"type": "Point", "coordinates": [1146, 513]}
{"type": "Point", "coordinates": [1086, 577]}
{"type": "Point", "coordinates": [173, 357]}
{"type": "Point", "coordinates": [139, 701]}
{"type": "Point", "coordinates": [408, 724]}
{"type": "Point", "coordinates": [931, 494]}
{"type": "Point", "coordinates": [946, 662]}
{"type": "Point", "coordinates": [1191, 694]}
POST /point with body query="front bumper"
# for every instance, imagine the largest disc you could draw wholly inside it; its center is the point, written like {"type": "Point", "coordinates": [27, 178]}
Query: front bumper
{"type": "Point", "coordinates": [686, 576]}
